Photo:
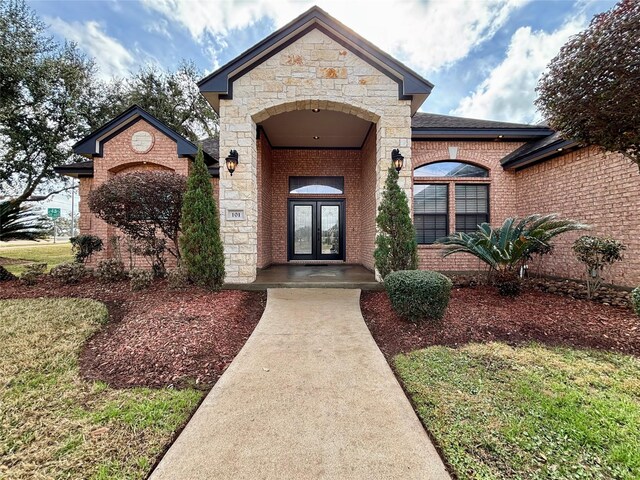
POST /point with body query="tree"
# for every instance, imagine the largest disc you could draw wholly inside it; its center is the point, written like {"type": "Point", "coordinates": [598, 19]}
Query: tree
{"type": "Point", "coordinates": [591, 91]}
{"type": "Point", "coordinates": [508, 247]}
{"type": "Point", "coordinates": [18, 223]}
{"type": "Point", "coordinates": [146, 207]}
{"type": "Point", "coordinates": [47, 99]}
{"type": "Point", "coordinates": [202, 251]}
{"type": "Point", "coordinates": [172, 97]}
{"type": "Point", "coordinates": [396, 247]}
{"type": "Point", "coordinates": [596, 254]}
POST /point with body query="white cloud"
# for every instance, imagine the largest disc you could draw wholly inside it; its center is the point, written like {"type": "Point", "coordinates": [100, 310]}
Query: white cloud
{"type": "Point", "coordinates": [111, 56]}
{"type": "Point", "coordinates": [428, 36]}
{"type": "Point", "coordinates": [508, 91]}
{"type": "Point", "coordinates": [160, 27]}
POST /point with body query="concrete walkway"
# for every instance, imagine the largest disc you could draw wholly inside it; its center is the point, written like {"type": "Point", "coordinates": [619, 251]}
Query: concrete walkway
{"type": "Point", "coordinates": [309, 396]}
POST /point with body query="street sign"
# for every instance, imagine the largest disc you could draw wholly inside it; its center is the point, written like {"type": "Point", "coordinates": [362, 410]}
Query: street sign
{"type": "Point", "coordinates": [53, 212]}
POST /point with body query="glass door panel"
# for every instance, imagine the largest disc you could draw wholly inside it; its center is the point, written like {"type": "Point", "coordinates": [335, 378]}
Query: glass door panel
{"type": "Point", "coordinates": [330, 229]}
{"type": "Point", "coordinates": [316, 230]}
{"type": "Point", "coordinates": [303, 230]}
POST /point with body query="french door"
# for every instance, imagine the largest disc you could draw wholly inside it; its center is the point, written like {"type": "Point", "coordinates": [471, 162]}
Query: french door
{"type": "Point", "coordinates": [316, 230]}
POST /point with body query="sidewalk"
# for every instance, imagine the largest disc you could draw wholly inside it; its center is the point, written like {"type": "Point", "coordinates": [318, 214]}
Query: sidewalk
{"type": "Point", "coordinates": [309, 396]}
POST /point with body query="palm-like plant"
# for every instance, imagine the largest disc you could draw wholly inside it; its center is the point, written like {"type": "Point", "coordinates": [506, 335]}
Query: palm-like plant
{"type": "Point", "coordinates": [506, 248]}
{"type": "Point", "coordinates": [18, 223]}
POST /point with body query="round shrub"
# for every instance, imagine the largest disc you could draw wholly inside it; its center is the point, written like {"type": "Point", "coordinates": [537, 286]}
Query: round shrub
{"type": "Point", "coordinates": [69, 273]}
{"type": "Point", "coordinates": [635, 300]}
{"type": "Point", "coordinates": [418, 294]}
{"type": "Point", "coordinates": [178, 278]}
{"type": "Point", "coordinates": [140, 279]}
{"type": "Point", "coordinates": [32, 273]}
{"type": "Point", "coordinates": [110, 270]}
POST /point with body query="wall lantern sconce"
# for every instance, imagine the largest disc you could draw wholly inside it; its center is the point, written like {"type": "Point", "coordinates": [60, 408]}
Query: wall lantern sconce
{"type": "Point", "coordinates": [397, 159]}
{"type": "Point", "coordinates": [232, 161]}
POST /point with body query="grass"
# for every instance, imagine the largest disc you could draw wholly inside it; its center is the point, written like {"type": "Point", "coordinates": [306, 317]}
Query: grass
{"type": "Point", "coordinates": [531, 412]}
{"type": "Point", "coordinates": [51, 254]}
{"type": "Point", "coordinates": [55, 424]}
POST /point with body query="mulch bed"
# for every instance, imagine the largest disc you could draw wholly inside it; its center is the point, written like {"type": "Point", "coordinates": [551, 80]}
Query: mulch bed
{"type": "Point", "coordinates": [480, 315]}
{"type": "Point", "coordinates": [158, 337]}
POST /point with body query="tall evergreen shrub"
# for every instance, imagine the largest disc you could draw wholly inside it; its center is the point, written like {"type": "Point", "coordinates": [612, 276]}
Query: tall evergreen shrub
{"type": "Point", "coordinates": [200, 243]}
{"type": "Point", "coordinates": [396, 247]}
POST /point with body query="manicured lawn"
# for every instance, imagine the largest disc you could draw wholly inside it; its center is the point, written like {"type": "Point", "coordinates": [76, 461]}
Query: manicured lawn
{"type": "Point", "coordinates": [57, 425]}
{"type": "Point", "coordinates": [499, 412]}
{"type": "Point", "coordinates": [51, 254]}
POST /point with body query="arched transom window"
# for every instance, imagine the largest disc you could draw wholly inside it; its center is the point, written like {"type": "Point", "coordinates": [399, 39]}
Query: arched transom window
{"type": "Point", "coordinates": [450, 168]}
{"type": "Point", "coordinates": [452, 197]}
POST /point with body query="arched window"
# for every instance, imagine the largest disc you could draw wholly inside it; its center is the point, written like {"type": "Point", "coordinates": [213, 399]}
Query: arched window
{"type": "Point", "coordinates": [452, 194]}
{"type": "Point", "coordinates": [316, 185]}
{"type": "Point", "coordinates": [450, 168]}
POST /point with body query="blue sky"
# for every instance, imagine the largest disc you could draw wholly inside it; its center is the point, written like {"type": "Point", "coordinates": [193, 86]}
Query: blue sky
{"type": "Point", "coordinates": [484, 56]}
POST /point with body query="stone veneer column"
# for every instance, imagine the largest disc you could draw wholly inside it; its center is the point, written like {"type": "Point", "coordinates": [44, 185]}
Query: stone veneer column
{"type": "Point", "coordinates": [239, 192]}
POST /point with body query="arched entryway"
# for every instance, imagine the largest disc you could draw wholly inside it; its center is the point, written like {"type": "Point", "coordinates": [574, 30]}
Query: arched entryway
{"type": "Point", "coordinates": [316, 177]}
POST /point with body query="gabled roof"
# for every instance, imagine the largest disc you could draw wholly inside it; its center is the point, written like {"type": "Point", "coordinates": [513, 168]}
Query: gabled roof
{"type": "Point", "coordinates": [92, 145]}
{"type": "Point", "coordinates": [537, 151]}
{"type": "Point", "coordinates": [219, 84]}
{"type": "Point", "coordinates": [434, 126]}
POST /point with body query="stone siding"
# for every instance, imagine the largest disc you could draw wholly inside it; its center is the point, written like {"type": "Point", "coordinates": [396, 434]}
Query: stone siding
{"type": "Point", "coordinates": [598, 188]}
{"type": "Point", "coordinates": [314, 71]}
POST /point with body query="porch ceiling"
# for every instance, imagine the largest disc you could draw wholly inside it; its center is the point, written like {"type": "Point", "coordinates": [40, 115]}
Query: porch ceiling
{"type": "Point", "coordinates": [333, 129]}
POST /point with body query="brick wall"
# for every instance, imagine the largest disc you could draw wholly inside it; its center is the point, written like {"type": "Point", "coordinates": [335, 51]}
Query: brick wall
{"type": "Point", "coordinates": [601, 189]}
{"type": "Point", "coordinates": [502, 192]}
{"type": "Point", "coordinates": [292, 162]}
{"type": "Point", "coordinates": [120, 158]}
{"type": "Point", "coordinates": [368, 209]}
{"type": "Point", "coordinates": [265, 212]}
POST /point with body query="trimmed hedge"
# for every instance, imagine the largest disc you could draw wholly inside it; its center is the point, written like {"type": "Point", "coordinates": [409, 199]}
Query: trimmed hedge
{"type": "Point", "coordinates": [110, 270]}
{"type": "Point", "coordinates": [635, 300]}
{"type": "Point", "coordinates": [418, 295]}
{"type": "Point", "coordinates": [69, 273]}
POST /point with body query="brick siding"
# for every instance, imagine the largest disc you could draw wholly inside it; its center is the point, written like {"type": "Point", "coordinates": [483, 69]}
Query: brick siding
{"type": "Point", "coordinates": [598, 188]}
{"type": "Point", "coordinates": [502, 192]}
{"type": "Point", "coordinates": [120, 158]}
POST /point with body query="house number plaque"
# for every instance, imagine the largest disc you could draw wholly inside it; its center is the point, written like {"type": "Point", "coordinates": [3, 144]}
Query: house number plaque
{"type": "Point", "coordinates": [235, 215]}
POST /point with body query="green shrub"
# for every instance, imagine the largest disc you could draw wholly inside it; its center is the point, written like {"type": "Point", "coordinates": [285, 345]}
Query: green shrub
{"type": "Point", "coordinates": [508, 283]}
{"type": "Point", "coordinates": [140, 279]}
{"type": "Point", "coordinates": [178, 278]}
{"type": "Point", "coordinates": [84, 246]}
{"type": "Point", "coordinates": [110, 270]}
{"type": "Point", "coordinates": [635, 300]}
{"type": "Point", "coordinates": [505, 249]}
{"type": "Point", "coordinates": [6, 275]}
{"type": "Point", "coordinates": [200, 243]}
{"type": "Point", "coordinates": [32, 272]}
{"type": "Point", "coordinates": [396, 247]}
{"type": "Point", "coordinates": [69, 273]}
{"type": "Point", "coordinates": [597, 253]}
{"type": "Point", "coordinates": [417, 295]}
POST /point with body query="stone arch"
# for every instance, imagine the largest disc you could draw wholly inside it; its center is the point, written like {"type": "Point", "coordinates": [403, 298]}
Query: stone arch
{"type": "Point", "coordinates": [309, 104]}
